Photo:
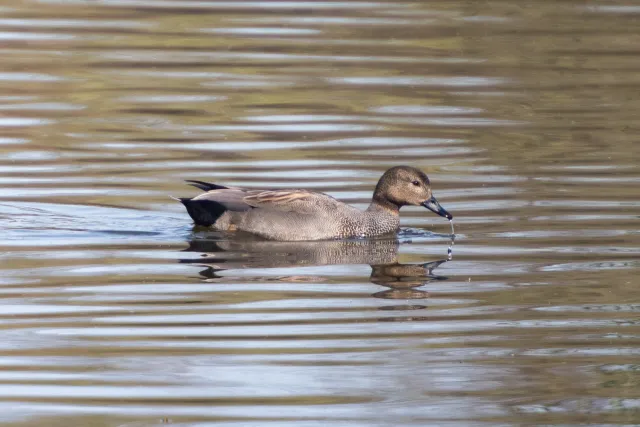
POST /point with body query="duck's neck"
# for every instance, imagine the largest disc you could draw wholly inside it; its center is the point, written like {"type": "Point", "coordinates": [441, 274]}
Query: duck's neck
{"type": "Point", "coordinates": [383, 204]}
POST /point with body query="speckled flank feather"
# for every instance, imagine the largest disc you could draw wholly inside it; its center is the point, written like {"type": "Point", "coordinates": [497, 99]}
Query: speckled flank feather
{"type": "Point", "coordinates": [307, 215]}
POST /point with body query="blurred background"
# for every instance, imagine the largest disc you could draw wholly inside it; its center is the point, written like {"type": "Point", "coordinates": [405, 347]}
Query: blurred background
{"type": "Point", "coordinates": [114, 311]}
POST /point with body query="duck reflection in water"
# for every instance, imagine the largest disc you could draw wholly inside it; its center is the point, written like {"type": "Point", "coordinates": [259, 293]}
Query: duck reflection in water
{"type": "Point", "coordinates": [381, 254]}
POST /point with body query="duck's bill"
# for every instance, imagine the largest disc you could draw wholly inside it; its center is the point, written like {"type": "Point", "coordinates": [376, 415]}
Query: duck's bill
{"type": "Point", "coordinates": [433, 205]}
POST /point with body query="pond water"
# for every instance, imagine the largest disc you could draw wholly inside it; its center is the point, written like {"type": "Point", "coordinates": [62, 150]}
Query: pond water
{"type": "Point", "coordinates": [115, 311]}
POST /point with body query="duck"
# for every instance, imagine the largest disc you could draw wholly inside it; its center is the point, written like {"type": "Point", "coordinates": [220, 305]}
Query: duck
{"type": "Point", "coordinates": [303, 215]}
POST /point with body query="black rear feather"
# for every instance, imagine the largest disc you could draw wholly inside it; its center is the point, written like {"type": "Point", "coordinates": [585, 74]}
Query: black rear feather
{"type": "Point", "coordinates": [205, 186]}
{"type": "Point", "coordinates": [203, 212]}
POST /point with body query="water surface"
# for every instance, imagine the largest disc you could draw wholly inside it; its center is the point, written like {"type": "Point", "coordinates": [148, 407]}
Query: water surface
{"type": "Point", "coordinates": [116, 311]}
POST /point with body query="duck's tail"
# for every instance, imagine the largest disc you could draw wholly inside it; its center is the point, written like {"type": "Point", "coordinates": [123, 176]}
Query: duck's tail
{"type": "Point", "coordinates": [203, 212]}
{"type": "Point", "coordinates": [205, 186]}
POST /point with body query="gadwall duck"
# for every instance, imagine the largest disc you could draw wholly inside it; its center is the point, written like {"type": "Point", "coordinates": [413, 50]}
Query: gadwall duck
{"type": "Point", "coordinates": [309, 215]}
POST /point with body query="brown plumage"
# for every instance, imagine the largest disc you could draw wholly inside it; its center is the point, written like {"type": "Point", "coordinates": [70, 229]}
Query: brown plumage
{"type": "Point", "coordinates": [308, 215]}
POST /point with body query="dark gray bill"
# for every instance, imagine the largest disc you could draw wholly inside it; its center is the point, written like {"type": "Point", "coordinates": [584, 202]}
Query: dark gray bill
{"type": "Point", "coordinates": [433, 205]}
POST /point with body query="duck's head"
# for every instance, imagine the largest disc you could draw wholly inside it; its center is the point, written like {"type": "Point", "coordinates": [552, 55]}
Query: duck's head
{"type": "Point", "coordinates": [406, 185]}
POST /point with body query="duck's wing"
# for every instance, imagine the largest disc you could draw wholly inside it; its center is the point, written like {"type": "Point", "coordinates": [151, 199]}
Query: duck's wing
{"type": "Point", "coordinates": [229, 198]}
{"type": "Point", "coordinates": [206, 208]}
{"type": "Point", "coordinates": [300, 201]}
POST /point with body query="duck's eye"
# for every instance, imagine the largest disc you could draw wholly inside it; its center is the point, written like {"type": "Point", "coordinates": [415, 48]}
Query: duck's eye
{"type": "Point", "coordinates": [416, 183]}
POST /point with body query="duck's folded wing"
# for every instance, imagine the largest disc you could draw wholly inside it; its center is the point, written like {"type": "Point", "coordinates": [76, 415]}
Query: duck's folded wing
{"type": "Point", "coordinates": [300, 201]}
{"type": "Point", "coordinates": [230, 198]}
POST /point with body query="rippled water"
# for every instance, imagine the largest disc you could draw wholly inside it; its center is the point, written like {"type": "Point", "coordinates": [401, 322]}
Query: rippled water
{"type": "Point", "coordinates": [115, 311]}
